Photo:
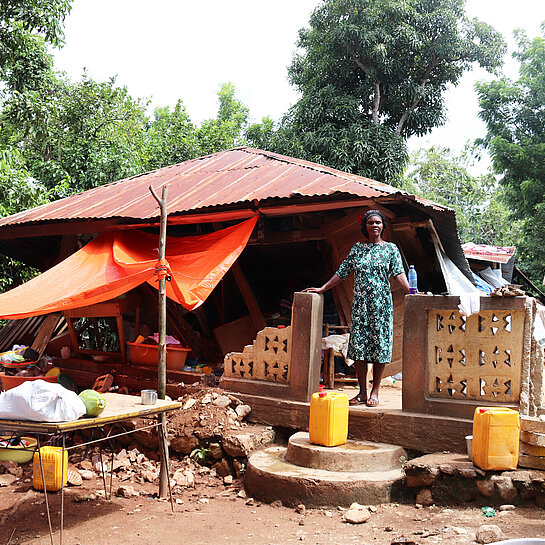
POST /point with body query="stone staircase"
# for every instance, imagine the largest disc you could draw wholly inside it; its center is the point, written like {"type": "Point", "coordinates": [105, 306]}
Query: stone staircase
{"type": "Point", "coordinates": [317, 476]}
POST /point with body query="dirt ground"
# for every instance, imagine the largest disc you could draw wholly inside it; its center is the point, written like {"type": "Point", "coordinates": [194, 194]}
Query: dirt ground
{"type": "Point", "coordinates": [212, 510]}
{"type": "Point", "coordinates": [213, 513]}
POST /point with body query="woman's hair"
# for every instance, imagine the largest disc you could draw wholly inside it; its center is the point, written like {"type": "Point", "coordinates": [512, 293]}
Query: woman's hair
{"type": "Point", "coordinates": [367, 215]}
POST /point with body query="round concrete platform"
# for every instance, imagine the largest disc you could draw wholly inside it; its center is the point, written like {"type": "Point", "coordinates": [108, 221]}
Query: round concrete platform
{"type": "Point", "coordinates": [352, 456]}
{"type": "Point", "coordinates": [270, 477]}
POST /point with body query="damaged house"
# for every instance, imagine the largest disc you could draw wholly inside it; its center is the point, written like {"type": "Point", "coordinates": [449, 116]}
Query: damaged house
{"type": "Point", "coordinates": [305, 219]}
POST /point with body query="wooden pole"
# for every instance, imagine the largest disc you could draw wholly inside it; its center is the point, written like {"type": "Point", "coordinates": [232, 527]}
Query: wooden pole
{"type": "Point", "coordinates": [162, 363]}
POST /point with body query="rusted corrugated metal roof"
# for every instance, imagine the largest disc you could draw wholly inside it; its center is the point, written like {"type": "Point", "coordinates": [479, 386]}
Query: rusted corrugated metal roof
{"type": "Point", "coordinates": [235, 178]}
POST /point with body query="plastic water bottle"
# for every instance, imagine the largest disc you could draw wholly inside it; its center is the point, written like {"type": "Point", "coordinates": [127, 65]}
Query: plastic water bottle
{"type": "Point", "coordinates": [412, 281]}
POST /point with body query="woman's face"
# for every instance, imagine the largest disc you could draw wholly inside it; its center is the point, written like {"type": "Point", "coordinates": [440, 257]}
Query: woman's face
{"type": "Point", "coordinates": [374, 225]}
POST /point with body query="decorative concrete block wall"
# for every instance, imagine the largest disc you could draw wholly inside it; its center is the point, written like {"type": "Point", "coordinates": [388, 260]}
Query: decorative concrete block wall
{"type": "Point", "coordinates": [282, 362]}
{"type": "Point", "coordinates": [453, 363]}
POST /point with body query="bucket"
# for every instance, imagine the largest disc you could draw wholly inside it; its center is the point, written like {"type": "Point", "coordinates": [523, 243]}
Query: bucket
{"type": "Point", "coordinates": [469, 445]}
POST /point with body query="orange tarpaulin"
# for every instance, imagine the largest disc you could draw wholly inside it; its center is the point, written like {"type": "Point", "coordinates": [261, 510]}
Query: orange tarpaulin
{"type": "Point", "coordinates": [116, 262]}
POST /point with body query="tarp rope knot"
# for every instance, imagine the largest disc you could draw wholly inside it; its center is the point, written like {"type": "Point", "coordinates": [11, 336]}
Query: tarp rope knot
{"type": "Point", "coordinates": [162, 270]}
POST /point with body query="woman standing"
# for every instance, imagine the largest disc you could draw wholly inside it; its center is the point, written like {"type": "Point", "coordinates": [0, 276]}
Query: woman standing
{"type": "Point", "coordinates": [371, 329]}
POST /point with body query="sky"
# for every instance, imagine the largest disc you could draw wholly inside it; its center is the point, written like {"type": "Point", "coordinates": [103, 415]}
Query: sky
{"type": "Point", "coordinates": [179, 49]}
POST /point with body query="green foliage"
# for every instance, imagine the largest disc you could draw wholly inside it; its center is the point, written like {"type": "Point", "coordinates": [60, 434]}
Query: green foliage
{"type": "Point", "coordinates": [374, 72]}
{"type": "Point", "coordinates": [515, 119]}
{"type": "Point", "coordinates": [227, 130]}
{"type": "Point", "coordinates": [481, 213]}
{"type": "Point", "coordinates": [200, 455]}
{"type": "Point", "coordinates": [25, 27]}
{"type": "Point", "coordinates": [171, 137]}
{"type": "Point", "coordinates": [84, 134]}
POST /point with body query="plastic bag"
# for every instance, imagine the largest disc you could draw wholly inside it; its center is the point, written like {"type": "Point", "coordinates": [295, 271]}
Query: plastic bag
{"type": "Point", "coordinates": [41, 401]}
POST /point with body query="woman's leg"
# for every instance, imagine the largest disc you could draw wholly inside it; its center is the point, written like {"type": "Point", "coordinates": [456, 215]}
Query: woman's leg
{"type": "Point", "coordinates": [378, 371]}
{"type": "Point", "coordinates": [361, 374]}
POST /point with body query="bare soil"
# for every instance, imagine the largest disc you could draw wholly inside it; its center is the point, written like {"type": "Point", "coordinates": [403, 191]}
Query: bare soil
{"type": "Point", "coordinates": [213, 513]}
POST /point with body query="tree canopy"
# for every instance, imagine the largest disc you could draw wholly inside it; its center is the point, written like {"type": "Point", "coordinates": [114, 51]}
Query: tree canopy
{"type": "Point", "coordinates": [514, 114]}
{"type": "Point", "coordinates": [482, 215]}
{"type": "Point", "coordinates": [373, 72]}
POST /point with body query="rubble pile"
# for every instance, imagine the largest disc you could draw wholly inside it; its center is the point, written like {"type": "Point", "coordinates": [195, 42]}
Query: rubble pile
{"type": "Point", "coordinates": [209, 442]}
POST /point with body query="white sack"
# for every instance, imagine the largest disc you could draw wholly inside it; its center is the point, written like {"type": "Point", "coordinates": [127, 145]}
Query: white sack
{"type": "Point", "coordinates": [339, 344]}
{"type": "Point", "coordinates": [41, 401]}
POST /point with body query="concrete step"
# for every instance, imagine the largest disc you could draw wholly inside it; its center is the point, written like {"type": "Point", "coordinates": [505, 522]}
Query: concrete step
{"type": "Point", "coordinates": [270, 477]}
{"type": "Point", "coordinates": [353, 456]}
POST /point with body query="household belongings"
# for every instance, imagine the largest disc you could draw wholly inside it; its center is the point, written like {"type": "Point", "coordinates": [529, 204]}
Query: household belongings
{"type": "Point", "coordinates": [328, 423]}
{"type": "Point", "coordinates": [41, 401]}
{"type": "Point", "coordinates": [22, 361]}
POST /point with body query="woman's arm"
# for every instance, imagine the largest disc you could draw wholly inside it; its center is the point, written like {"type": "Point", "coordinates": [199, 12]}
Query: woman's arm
{"type": "Point", "coordinates": [332, 282]}
{"type": "Point", "coordinates": [402, 281]}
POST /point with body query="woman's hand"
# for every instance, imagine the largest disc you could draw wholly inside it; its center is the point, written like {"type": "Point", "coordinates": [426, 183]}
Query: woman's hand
{"type": "Point", "coordinates": [333, 281]}
{"type": "Point", "coordinates": [314, 290]}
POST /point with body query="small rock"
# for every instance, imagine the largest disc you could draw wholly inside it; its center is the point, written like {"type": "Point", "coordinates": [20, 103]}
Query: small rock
{"type": "Point", "coordinates": [222, 468]}
{"type": "Point", "coordinates": [149, 476]}
{"type": "Point", "coordinates": [485, 487]}
{"type": "Point", "coordinates": [505, 487]}
{"type": "Point", "coordinates": [203, 500]}
{"type": "Point", "coordinates": [189, 403]}
{"type": "Point", "coordinates": [424, 497]}
{"type": "Point", "coordinates": [243, 411]}
{"type": "Point", "coordinates": [12, 468]}
{"type": "Point", "coordinates": [228, 479]}
{"type": "Point", "coordinates": [86, 474]}
{"type": "Point", "coordinates": [507, 507]}
{"type": "Point", "coordinates": [125, 491]}
{"type": "Point", "coordinates": [488, 533]}
{"type": "Point", "coordinates": [184, 477]}
{"type": "Point", "coordinates": [418, 478]}
{"type": "Point", "coordinates": [241, 494]}
{"type": "Point", "coordinates": [222, 402]}
{"type": "Point", "coordinates": [86, 464]}
{"type": "Point", "coordinates": [467, 472]}
{"type": "Point", "coordinates": [447, 469]}
{"type": "Point", "coordinates": [215, 451]}
{"type": "Point", "coordinates": [7, 479]}
{"type": "Point", "coordinates": [179, 501]}
{"type": "Point", "coordinates": [357, 515]}
{"type": "Point", "coordinates": [206, 399]}
{"type": "Point", "coordinates": [301, 509]}
{"type": "Point", "coordinates": [328, 514]}
{"type": "Point", "coordinates": [276, 503]}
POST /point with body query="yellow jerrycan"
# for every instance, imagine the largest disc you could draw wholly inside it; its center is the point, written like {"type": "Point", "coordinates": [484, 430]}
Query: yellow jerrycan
{"type": "Point", "coordinates": [328, 424]}
{"type": "Point", "coordinates": [496, 434]}
{"type": "Point", "coordinates": [55, 471]}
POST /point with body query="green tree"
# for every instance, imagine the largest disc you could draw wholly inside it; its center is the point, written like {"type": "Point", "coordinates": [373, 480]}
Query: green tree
{"type": "Point", "coordinates": [83, 134]}
{"type": "Point", "coordinates": [481, 213]}
{"type": "Point", "coordinates": [515, 118]}
{"type": "Point", "coordinates": [18, 191]}
{"type": "Point", "coordinates": [228, 128]}
{"type": "Point", "coordinates": [171, 137]}
{"type": "Point", "coordinates": [374, 72]}
{"type": "Point", "coordinates": [25, 28]}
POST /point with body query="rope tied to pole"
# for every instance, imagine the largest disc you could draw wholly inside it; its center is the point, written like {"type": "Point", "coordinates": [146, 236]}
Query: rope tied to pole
{"type": "Point", "coordinates": [163, 270]}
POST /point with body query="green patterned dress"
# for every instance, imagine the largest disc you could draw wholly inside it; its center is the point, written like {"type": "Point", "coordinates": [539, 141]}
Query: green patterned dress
{"type": "Point", "coordinates": [371, 329]}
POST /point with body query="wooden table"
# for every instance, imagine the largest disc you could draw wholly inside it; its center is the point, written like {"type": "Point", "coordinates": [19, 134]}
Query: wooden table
{"type": "Point", "coordinates": [119, 408]}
